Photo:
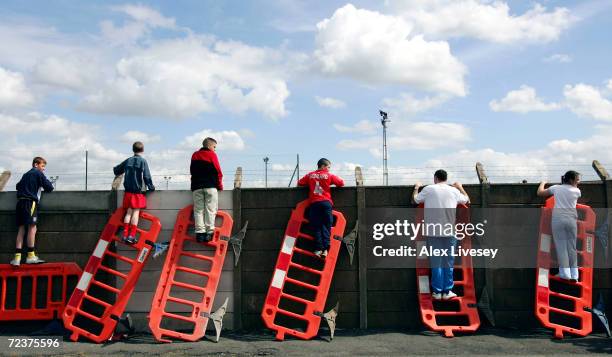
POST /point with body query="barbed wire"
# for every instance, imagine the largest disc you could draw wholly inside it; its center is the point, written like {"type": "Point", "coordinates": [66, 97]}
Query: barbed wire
{"type": "Point", "coordinates": [179, 179]}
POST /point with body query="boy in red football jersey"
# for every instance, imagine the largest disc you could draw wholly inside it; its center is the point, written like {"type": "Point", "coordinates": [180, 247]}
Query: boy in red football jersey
{"type": "Point", "coordinates": [320, 210]}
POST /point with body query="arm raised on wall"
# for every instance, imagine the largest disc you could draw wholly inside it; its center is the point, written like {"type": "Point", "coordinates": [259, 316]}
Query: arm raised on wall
{"type": "Point", "coordinates": [543, 192]}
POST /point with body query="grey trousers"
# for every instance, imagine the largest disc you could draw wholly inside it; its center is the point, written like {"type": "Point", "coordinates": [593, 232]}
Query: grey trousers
{"type": "Point", "coordinates": [205, 206]}
{"type": "Point", "coordinates": [565, 230]}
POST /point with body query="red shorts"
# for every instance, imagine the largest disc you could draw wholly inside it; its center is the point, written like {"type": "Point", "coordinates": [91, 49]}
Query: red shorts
{"type": "Point", "coordinates": [134, 200]}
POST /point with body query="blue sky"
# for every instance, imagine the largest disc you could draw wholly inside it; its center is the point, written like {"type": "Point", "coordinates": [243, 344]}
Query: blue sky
{"type": "Point", "coordinates": [523, 87]}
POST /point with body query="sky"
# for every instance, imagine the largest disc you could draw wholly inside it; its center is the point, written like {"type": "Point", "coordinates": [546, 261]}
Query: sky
{"type": "Point", "coordinates": [523, 87]}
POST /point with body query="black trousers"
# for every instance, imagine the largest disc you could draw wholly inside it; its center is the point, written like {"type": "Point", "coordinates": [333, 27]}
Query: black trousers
{"type": "Point", "coordinates": [320, 218]}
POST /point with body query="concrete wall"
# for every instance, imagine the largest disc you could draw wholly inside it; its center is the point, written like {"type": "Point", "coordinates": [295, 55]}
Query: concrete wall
{"type": "Point", "coordinates": [165, 205]}
{"type": "Point", "coordinates": [369, 297]}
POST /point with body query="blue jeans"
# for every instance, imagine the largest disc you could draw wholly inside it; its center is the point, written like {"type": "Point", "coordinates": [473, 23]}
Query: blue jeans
{"type": "Point", "coordinates": [442, 266]}
{"type": "Point", "coordinates": [320, 220]}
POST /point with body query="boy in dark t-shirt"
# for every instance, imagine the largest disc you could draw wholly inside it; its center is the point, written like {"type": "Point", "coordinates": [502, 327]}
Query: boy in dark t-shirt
{"type": "Point", "coordinates": [136, 172]}
{"type": "Point", "coordinates": [29, 190]}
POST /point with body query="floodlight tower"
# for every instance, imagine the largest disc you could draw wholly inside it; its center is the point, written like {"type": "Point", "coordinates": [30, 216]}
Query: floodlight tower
{"type": "Point", "coordinates": [384, 120]}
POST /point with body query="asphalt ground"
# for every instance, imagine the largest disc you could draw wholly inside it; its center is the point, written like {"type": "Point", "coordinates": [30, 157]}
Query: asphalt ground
{"type": "Point", "coordinates": [486, 342]}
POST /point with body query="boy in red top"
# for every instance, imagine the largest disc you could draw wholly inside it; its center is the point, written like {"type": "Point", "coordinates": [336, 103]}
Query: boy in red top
{"type": "Point", "coordinates": [320, 210]}
{"type": "Point", "coordinates": [206, 181]}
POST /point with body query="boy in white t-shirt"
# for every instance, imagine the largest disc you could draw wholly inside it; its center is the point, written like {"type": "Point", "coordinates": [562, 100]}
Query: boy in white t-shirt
{"type": "Point", "coordinates": [563, 223]}
{"type": "Point", "coordinates": [440, 201]}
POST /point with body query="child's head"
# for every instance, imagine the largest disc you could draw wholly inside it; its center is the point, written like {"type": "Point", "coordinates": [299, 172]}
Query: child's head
{"type": "Point", "coordinates": [210, 144]}
{"type": "Point", "coordinates": [39, 163]}
{"type": "Point", "coordinates": [571, 178]}
{"type": "Point", "coordinates": [138, 147]}
{"type": "Point", "coordinates": [323, 164]}
{"type": "Point", "coordinates": [440, 176]}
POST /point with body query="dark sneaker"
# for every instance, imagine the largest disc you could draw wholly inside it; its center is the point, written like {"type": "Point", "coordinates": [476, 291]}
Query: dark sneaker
{"type": "Point", "coordinates": [200, 237]}
{"type": "Point", "coordinates": [209, 236]}
{"type": "Point", "coordinates": [130, 240]}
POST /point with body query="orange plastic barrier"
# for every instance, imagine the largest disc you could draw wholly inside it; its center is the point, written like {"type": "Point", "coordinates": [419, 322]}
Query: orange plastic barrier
{"type": "Point", "coordinates": [459, 314]}
{"type": "Point", "coordinates": [560, 304]}
{"type": "Point", "coordinates": [36, 292]}
{"type": "Point", "coordinates": [176, 275]}
{"type": "Point", "coordinates": [300, 284]}
{"type": "Point", "coordinates": [95, 307]}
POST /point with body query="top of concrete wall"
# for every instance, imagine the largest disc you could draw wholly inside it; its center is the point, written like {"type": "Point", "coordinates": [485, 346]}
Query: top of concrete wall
{"type": "Point", "coordinates": [63, 200]}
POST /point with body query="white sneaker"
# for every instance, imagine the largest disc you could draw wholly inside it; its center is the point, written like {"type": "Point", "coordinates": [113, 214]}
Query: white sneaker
{"type": "Point", "coordinates": [324, 254]}
{"type": "Point", "coordinates": [449, 295]}
{"type": "Point", "coordinates": [16, 262]}
{"type": "Point", "coordinates": [318, 253]}
{"type": "Point", "coordinates": [34, 260]}
{"type": "Point", "coordinates": [436, 296]}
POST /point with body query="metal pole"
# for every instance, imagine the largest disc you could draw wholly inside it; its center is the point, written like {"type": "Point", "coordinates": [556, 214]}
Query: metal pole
{"type": "Point", "coordinates": [298, 166]}
{"type": "Point", "coordinates": [385, 172]}
{"type": "Point", "coordinates": [86, 167]}
{"type": "Point", "coordinates": [266, 159]}
{"type": "Point", "coordinates": [384, 122]}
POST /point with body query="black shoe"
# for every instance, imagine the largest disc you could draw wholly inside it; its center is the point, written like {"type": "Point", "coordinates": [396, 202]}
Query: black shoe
{"type": "Point", "coordinates": [200, 237]}
{"type": "Point", "coordinates": [209, 236]}
{"type": "Point", "coordinates": [129, 240]}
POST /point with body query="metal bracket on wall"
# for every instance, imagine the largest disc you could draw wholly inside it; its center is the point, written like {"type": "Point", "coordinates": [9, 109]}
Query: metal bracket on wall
{"type": "Point", "coordinates": [236, 241]}
{"type": "Point", "coordinates": [160, 248]}
{"type": "Point", "coordinates": [599, 311]}
{"type": "Point", "coordinates": [4, 177]}
{"type": "Point", "coordinates": [484, 305]}
{"type": "Point", "coordinates": [349, 241]}
{"type": "Point", "coordinates": [330, 317]}
{"type": "Point", "coordinates": [217, 318]}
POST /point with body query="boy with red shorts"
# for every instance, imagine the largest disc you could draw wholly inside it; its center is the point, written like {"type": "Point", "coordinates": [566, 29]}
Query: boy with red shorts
{"type": "Point", "coordinates": [136, 171]}
{"type": "Point", "coordinates": [320, 209]}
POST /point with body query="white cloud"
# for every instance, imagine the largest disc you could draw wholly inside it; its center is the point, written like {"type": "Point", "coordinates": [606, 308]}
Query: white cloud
{"type": "Point", "coordinates": [144, 19]}
{"type": "Point", "coordinates": [522, 100]}
{"type": "Point", "coordinates": [64, 146]}
{"type": "Point", "coordinates": [329, 102]}
{"type": "Point", "coordinates": [283, 167]}
{"type": "Point", "coordinates": [587, 101]}
{"type": "Point", "coordinates": [558, 58]}
{"type": "Point", "coordinates": [147, 78]}
{"type": "Point", "coordinates": [75, 72]}
{"type": "Point", "coordinates": [485, 20]}
{"type": "Point", "coordinates": [404, 136]}
{"type": "Point", "coordinates": [23, 44]}
{"type": "Point", "coordinates": [406, 103]}
{"type": "Point", "coordinates": [146, 15]}
{"type": "Point", "coordinates": [155, 82]}
{"type": "Point", "coordinates": [609, 84]}
{"type": "Point", "coordinates": [546, 163]}
{"type": "Point", "coordinates": [13, 90]}
{"type": "Point", "coordinates": [135, 135]}
{"type": "Point", "coordinates": [227, 140]}
{"type": "Point", "coordinates": [361, 127]}
{"type": "Point", "coordinates": [375, 48]}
